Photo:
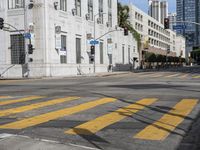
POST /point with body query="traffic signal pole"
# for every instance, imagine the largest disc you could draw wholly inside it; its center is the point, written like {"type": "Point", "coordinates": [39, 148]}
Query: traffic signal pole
{"type": "Point", "coordinates": [185, 22]}
{"type": "Point", "coordinates": [26, 42]}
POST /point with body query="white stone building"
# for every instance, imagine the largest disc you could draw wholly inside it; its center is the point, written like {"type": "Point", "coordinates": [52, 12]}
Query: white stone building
{"type": "Point", "coordinates": [67, 51]}
{"type": "Point", "coordinates": [180, 46]}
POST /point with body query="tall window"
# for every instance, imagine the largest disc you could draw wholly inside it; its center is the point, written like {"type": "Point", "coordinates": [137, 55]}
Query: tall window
{"type": "Point", "coordinates": [17, 49]}
{"type": "Point", "coordinates": [63, 51]}
{"type": "Point", "coordinates": [78, 50]}
{"type": "Point", "coordinates": [90, 9]}
{"type": "Point", "coordinates": [101, 11]}
{"type": "Point", "coordinates": [63, 5]}
{"type": "Point", "coordinates": [14, 4]}
{"type": "Point", "coordinates": [110, 12]}
{"type": "Point", "coordinates": [78, 7]}
{"type": "Point", "coordinates": [101, 52]}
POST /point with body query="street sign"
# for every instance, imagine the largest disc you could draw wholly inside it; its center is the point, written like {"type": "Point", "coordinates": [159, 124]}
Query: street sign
{"type": "Point", "coordinates": [27, 35]}
{"type": "Point", "coordinates": [94, 42]}
{"type": "Point", "coordinates": [179, 27]}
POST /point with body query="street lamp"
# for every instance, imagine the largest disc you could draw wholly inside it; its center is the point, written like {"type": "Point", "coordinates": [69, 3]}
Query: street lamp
{"type": "Point", "coordinates": [98, 14]}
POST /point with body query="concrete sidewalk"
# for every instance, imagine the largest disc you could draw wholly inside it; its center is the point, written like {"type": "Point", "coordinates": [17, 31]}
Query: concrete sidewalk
{"type": "Point", "coordinates": [103, 74]}
{"type": "Point", "coordinates": [14, 142]}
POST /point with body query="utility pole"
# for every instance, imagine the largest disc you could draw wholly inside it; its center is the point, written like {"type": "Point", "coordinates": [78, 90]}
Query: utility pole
{"type": "Point", "coordinates": [26, 41]}
{"type": "Point", "coordinates": [95, 38]}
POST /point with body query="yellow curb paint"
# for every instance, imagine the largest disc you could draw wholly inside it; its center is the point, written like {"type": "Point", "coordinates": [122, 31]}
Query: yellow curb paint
{"type": "Point", "coordinates": [35, 106]}
{"type": "Point", "coordinates": [99, 123]}
{"type": "Point", "coordinates": [36, 120]}
{"type": "Point", "coordinates": [196, 77]}
{"type": "Point", "coordinates": [160, 129]}
{"type": "Point", "coordinates": [7, 102]}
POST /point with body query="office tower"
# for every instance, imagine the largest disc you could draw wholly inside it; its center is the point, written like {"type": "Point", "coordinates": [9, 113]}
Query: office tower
{"type": "Point", "coordinates": [172, 20]}
{"type": "Point", "coordinates": [189, 10]}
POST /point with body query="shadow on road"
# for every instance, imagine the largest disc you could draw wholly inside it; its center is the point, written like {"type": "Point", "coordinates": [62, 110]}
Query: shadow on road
{"type": "Point", "coordinates": [159, 109]}
{"type": "Point", "coordinates": [191, 140]}
{"type": "Point", "coordinates": [90, 137]}
{"type": "Point", "coordinates": [145, 86]}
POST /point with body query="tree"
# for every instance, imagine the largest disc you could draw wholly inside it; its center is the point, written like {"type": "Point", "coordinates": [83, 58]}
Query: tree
{"type": "Point", "coordinates": [124, 22]}
{"type": "Point", "coordinates": [195, 54]}
{"type": "Point", "coordinates": [159, 59]}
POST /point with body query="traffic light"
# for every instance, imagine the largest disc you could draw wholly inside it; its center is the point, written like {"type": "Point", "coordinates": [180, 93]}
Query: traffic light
{"type": "Point", "coordinates": [125, 31]}
{"type": "Point", "coordinates": [92, 59]}
{"type": "Point", "coordinates": [30, 49]}
{"type": "Point", "coordinates": [31, 4]}
{"type": "Point", "coordinates": [1, 23]}
{"type": "Point", "coordinates": [92, 50]}
{"type": "Point", "coordinates": [135, 58]}
{"type": "Point", "coordinates": [166, 23]}
{"type": "Point", "coordinates": [30, 60]}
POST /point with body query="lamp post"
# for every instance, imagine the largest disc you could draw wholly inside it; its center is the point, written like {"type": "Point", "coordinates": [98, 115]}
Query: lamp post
{"type": "Point", "coordinates": [95, 37]}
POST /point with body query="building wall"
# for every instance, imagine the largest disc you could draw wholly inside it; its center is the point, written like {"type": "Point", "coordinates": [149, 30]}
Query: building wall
{"type": "Point", "coordinates": [180, 46]}
{"type": "Point", "coordinates": [46, 58]}
{"type": "Point", "coordinates": [172, 20]}
{"type": "Point", "coordinates": [152, 32]}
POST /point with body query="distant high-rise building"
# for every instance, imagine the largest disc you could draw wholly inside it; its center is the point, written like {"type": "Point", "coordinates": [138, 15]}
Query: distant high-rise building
{"type": "Point", "coordinates": [189, 10]}
{"type": "Point", "coordinates": [163, 11]}
{"type": "Point", "coordinates": [172, 20]}
{"type": "Point", "coordinates": [158, 9]}
{"type": "Point", "coordinates": [154, 9]}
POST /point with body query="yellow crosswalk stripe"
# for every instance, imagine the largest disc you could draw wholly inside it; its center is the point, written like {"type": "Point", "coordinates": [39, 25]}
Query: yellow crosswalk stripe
{"type": "Point", "coordinates": [196, 77]}
{"type": "Point", "coordinates": [35, 106]}
{"type": "Point", "coordinates": [21, 124]}
{"type": "Point", "coordinates": [160, 129]}
{"type": "Point", "coordinates": [99, 123]}
{"type": "Point", "coordinates": [7, 102]}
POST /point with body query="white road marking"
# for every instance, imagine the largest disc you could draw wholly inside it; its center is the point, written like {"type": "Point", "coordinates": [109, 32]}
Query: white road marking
{"type": "Point", "coordinates": [85, 147]}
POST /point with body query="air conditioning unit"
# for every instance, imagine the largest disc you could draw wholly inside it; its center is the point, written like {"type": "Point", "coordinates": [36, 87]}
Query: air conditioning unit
{"type": "Point", "coordinates": [87, 16]}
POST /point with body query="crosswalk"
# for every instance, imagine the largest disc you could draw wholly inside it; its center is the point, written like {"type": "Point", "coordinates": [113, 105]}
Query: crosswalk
{"type": "Point", "coordinates": [157, 131]}
{"type": "Point", "coordinates": [171, 75]}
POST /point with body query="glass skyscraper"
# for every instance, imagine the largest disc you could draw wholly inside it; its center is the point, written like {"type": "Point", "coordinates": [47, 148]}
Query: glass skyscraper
{"type": "Point", "coordinates": [189, 10]}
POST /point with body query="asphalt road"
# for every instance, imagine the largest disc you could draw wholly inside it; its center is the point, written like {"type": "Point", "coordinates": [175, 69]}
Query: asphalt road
{"type": "Point", "coordinates": [133, 111]}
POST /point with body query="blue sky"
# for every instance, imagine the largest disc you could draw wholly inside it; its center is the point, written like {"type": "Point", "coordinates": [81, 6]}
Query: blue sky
{"type": "Point", "coordinates": [143, 4]}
